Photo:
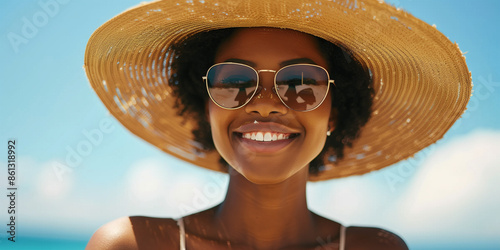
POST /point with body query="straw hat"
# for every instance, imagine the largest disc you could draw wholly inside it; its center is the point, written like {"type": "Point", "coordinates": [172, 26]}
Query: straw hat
{"type": "Point", "coordinates": [421, 80]}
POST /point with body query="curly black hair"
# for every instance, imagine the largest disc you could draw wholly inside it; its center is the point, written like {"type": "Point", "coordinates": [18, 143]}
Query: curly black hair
{"type": "Point", "coordinates": [352, 95]}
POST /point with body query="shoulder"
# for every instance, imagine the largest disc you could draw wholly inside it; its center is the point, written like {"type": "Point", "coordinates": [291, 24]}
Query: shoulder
{"type": "Point", "coordinates": [373, 238]}
{"type": "Point", "coordinates": [136, 232]}
{"type": "Point", "coordinates": [117, 234]}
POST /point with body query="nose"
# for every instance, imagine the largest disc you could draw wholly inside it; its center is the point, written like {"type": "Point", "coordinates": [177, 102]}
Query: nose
{"type": "Point", "coordinates": [266, 102]}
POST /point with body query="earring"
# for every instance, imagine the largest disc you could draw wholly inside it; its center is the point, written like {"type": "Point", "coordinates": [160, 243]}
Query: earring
{"type": "Point", "coordinates": [331, 127]}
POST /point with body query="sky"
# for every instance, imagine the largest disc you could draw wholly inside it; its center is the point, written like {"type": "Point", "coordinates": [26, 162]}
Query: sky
{"type": "Point", "coordinates": [79, 168]}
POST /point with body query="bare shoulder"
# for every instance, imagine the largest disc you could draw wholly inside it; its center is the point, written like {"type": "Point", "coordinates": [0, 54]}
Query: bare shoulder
{"type": "Point", "coordinates": [117, 234]}
{"type": "Point", "coordinates": [373, 238]}
{"type": "Point", "coordinates": [137, 232]}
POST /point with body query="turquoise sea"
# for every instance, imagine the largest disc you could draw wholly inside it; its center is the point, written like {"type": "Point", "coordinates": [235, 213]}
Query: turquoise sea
{"type": "Point", "coordinates": [43, 244]}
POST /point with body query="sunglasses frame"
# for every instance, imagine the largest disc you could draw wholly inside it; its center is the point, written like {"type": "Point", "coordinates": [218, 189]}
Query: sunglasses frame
{"type": "Point", "coordinates": [275, 88]}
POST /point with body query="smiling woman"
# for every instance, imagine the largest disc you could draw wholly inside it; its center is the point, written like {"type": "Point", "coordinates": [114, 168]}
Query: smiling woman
{"type": "Point", "coordinates": [349, 82]}
{"type": "Point", "coordinates": [305, 132]}
{"type": "Point", "coordinates": [275, 94]}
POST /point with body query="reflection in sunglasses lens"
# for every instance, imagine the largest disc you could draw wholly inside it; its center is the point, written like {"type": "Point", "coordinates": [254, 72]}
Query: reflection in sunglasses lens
{"type": "Point", "coordinates": [302, 87]}
{"type": "Point", "coordinates": [231, 85]}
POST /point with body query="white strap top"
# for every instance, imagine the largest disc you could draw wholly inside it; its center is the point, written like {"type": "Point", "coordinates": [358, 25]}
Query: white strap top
{"type": "Point", "coordinates": [342, 238]}
{"type": "Point", "coordinates": [182, 235]}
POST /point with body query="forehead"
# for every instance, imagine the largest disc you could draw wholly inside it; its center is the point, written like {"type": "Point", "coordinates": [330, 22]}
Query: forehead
{"type": "Point", "coordinates": [270, 46]}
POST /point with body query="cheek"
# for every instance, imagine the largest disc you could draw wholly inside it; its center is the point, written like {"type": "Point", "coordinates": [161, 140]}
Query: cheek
{"type": "Point", "coordinates": [215, 121]}
{"type": "Point", "coordinates": [219, 124]}
{"type": "Point", "coordinates": [316, 124]}
{"type": "Point", "coordinates": [316, 133]}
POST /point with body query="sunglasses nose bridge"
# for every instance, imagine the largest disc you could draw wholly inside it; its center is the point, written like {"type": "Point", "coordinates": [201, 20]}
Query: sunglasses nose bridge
{"type": "Point", "coordinates": [266, 70]}
{"type": "Point", "coordinates": [266, 81]}
{"type": "Point", "coordinates": [265, 100]}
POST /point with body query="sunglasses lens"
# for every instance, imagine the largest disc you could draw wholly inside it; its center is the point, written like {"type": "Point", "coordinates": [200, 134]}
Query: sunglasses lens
{"type": "Point", "coordinates": [231, 85]}
{"type": "Point", "coordinates": [302, 87]}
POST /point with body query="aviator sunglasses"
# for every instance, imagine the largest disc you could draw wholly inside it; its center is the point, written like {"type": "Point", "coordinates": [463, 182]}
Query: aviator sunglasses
{"type": "Point", "coordinates": [301, 87]}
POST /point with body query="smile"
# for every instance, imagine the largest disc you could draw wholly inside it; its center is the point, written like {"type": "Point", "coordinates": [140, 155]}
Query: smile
{"type": "Point", "coordinates": [265, 142]}
{"type": "Point", "coordinates": [265, 136]}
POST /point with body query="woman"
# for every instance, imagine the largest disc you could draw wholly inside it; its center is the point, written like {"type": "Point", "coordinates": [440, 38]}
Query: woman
{"type": "Point", "coordinates": [271, 93]}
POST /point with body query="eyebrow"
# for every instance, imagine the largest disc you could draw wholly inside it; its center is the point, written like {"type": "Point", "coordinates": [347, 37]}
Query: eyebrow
{"type": "Point", "coordinates": [282, 64]}
{"type": "Point", "coordinates": [296, 61]}
{"type": "Point", "coordinates": [236, 60]}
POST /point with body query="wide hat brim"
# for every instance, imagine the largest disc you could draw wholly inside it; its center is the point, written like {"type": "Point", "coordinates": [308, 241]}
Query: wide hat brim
{"type": "Point", "coordinates": [421, 81]}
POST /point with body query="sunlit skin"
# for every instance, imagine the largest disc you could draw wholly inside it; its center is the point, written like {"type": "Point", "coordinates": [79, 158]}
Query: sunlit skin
{"type": "Point", "coordinates": [265, 206]}
{"type": "Point", "coordinates": [265, 49]}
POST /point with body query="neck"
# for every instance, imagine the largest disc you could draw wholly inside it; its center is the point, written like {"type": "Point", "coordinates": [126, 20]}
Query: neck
{"type": "Point", "coordinates": [266, 216]}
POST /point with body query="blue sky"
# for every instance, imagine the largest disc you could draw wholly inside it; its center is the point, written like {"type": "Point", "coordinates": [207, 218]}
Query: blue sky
{"type": "Point", "coordinates": [447, 193]}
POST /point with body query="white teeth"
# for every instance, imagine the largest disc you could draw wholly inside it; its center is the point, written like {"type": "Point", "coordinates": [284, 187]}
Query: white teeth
{"type": "Point", "coordinates": [259, 136]}
{"type": "Point", "coordinates": [265, 136]}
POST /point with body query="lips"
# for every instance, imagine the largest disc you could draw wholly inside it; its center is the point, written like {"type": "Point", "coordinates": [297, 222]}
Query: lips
{"type": "Point", "coordinates": [265, 137]}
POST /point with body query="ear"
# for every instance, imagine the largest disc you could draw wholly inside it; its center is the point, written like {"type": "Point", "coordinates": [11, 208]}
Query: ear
{"type": "Point", "coordinates": [332, 122]}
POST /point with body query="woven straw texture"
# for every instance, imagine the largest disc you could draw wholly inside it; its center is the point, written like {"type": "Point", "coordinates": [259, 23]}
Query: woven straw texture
{"type": "Point", "coordinates": [421, 80]}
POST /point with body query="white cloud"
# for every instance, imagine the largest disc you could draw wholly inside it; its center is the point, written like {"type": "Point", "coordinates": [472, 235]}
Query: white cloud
{"type": "Point", "coordinates": [355, 200]}
{"type": "Point", "coordinates": [159, 187]}
{"type": "Point", "coordinates": [456, 192]}
{"type": "Point", "coordinates": [147, 180]}
{"type": "Point", "coordinates": [50, 186]}
{"type": "Point", "coordinates": [41, 180]}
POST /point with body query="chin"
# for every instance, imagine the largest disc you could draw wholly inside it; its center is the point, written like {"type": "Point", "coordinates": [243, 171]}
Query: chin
{"type": "Point", "coordinates": [266, 173]}
{"type": "Point", "coordinates": [265, 180]}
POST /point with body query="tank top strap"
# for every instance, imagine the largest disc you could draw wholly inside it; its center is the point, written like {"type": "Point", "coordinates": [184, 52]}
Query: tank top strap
{"type": "Point", "coordinates": [342, 237]}
{"type": "Point", "coordinates": [182, 234]}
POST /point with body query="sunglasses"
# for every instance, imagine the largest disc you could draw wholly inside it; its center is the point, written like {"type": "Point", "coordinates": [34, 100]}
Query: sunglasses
{"type": "Point", "coordinates": [300, 87]}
